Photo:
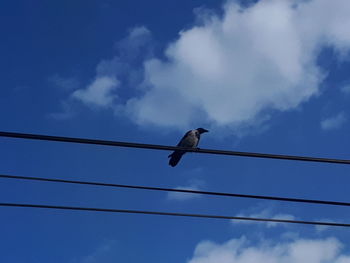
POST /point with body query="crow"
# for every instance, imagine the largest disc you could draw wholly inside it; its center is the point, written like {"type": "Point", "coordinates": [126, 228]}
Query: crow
{"type": "Point", "coordinates": [190, 140]}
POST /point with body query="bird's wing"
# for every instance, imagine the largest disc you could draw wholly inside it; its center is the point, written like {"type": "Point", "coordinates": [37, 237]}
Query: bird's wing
{"type": "Point", "coordinates": [190, 140]}
{"type": "Point", "coordinates": [182, 142]}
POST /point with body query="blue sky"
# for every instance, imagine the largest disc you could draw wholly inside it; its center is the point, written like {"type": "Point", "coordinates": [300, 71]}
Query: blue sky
{"type": "Point", "coordinates": [267, 76]}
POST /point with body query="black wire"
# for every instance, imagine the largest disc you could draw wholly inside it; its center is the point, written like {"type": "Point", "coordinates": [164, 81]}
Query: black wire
{"type": "Point", "coordinates": [167, 148]}
{"type": "Point", "coordinates": [128, 211]}
{"type": "Point", "coordinates": [276, 198]}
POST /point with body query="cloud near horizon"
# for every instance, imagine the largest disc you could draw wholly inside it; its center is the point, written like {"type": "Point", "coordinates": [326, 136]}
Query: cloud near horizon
{"type": "Point", "coordinates": [232, 70]}
{"type": "Point", "coordinates": [242, 251]}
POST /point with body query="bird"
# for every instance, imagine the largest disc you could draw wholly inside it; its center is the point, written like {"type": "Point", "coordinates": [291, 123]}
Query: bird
{"type": "Point", "coordinates": [190, 140]}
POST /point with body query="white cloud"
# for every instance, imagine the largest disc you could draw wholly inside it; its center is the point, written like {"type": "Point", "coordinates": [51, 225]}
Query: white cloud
{"type": "Point", "coordinates": [241, 251]}
{"type": "Point", "coordinates": [231, 69]}
{"type": "Point", "coordinates": [266, 213]}
{"type": "Point", "coordinates": [333, 122]}
{"type": "Point", "coordinates": [101, 92]}
{"type": "Point", "coordinates": [178, 196]}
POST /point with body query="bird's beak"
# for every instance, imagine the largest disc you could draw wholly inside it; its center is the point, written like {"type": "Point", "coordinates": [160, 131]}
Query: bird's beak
{"type": "Point", "coordinates": [204, 130]}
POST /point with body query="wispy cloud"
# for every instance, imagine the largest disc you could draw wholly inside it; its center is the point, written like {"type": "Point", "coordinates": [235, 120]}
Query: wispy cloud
{"type": "Point", "coordinates": [65, 113]}
{"type": "Point", "coordinates": [178, 196]}
{"type": "Point", "coordinates": [345, 89]}
{"type": "Point", "coordinates": [64, 83]}
{"type": "Point", "coordinates": [101, 92]}
{"type": "Point", "coordinates": [110, 73]}
{"type": "Point", "coordinates": [265, 213]}
{"type": "Point", "coordinates": [334, 122]}
{"type": "Point", "coordinates": [105, 252]}
{"type": "Point", "coordinates": [320, 228]}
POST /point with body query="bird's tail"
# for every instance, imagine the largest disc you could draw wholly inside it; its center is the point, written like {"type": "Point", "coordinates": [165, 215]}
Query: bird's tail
{"type": "Point", "coordinates": [175, 157]}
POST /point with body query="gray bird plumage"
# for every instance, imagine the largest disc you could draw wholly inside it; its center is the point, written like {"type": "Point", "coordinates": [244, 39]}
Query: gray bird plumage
{"type": "Point", "coordinates": [190, 140]}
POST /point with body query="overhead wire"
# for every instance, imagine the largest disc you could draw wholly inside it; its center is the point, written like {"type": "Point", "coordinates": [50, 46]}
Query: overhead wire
{"type": "Point", "coordinates": [130, 211]}
{"type": "Point", "coordinates": [169, 148]}
{"type": "Point", "coordinates": [189, 191]}
{"type": "Point", "coordinates": [163, 147]}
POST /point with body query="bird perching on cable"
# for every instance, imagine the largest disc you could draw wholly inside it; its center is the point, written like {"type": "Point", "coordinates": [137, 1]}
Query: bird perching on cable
{"type": "Point", "coordinates": [190, 140]}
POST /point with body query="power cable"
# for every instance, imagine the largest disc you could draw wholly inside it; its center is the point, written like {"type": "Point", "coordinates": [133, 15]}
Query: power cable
{"type": "Point", "coordinates": [275, 198]}
{"type": "Point", "coordinates": [128, 211]}
{"type": "Point", "coordinates": [169, 148]}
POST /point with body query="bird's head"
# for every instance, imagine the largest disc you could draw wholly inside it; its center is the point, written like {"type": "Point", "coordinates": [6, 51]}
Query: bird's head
{"type": "Point", "coordinates": [201, 130]}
